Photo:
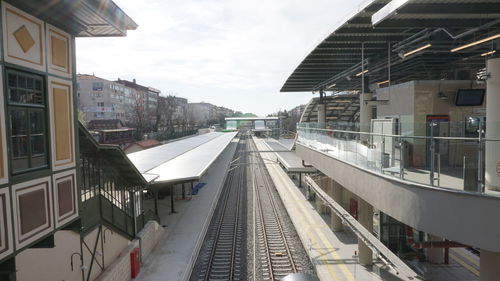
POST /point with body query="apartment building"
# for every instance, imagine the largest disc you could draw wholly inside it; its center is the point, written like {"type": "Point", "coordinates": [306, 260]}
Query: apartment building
{"type": "Point", "coordinates": [205, 114]}
{"type": "Point", "coordinates": [99, 98]}
{"type": "Point", "coordinates": [181, 108]}
{"type": "Point", "coordinates": [143, 110]}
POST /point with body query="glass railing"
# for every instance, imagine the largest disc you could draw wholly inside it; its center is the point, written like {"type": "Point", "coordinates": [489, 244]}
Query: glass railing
{"type": "Point", "coordinates": [438, 160]}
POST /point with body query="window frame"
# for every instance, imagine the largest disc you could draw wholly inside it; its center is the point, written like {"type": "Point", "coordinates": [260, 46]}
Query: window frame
{"type": "Point", "coordinates": [28, 108]}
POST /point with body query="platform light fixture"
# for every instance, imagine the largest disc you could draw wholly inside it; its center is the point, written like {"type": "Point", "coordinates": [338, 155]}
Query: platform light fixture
{"type": "Point", "coordinates": [382, 82]}
{"type": "Point", "coordinates": [331, 86]}
{"type": "Point", "coordinates": [362, 72]}
{"type": "Point", "coordinates": [416, 50]}
{"type": "Point", "coordinates": [475, 43]}
{"type": "Point", "coordinates": [488, 53]}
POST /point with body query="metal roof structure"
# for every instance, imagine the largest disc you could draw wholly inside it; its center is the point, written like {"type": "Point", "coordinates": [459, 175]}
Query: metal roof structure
{"type": "Point", "coordinates": [82, 18]}
{"type": "Point", "coordinates": [251, 118]}
{"type": "Point", "coordinates": [182, 160]}
{"type": "Point", "coordinates": [191, 165]}
{"type": "Point", "coordinates": [389, 42]}
{"type": "Point", "coordinates": [338, 108]}
{"type": "Point", "coordinates": [289, 159]}
{"type": "Point", "coordinates": [148, 159]}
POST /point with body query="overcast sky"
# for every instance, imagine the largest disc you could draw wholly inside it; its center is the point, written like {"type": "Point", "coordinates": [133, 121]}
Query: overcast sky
{"type": "Point", "coordinates": [234, 53]}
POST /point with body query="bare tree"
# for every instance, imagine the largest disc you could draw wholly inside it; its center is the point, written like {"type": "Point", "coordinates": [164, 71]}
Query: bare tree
{"type": "Point", "coordinates": [139, 118]}
{"type": "Point", "coordinates": [165, 113]}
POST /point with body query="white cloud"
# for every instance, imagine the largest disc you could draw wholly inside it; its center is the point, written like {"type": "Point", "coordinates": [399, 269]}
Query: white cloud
{"type": "Point", "coordinates": [228, 52]}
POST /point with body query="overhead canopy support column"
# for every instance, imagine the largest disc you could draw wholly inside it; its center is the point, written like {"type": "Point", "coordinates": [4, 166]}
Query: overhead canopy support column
{"type": "Point", "coordinates": [172, 200]}
{"type": "Point", "coordinates": [366, 220]}
{"type": "Point", "coordinates": [321, 110]}
{"type": "Point", "coordinates": [336, 194]}
{"type": "Point", "coordinates": [489, 265]}
{"type": "Point", "coordinates": [492, 161]}
{"type": "Point", "coordinates": [365, 113]}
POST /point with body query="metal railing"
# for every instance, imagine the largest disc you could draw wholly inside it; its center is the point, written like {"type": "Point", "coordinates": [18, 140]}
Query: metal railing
{"type": "Point", "coordinates": [371, 241]}
{"type": "Point", "coordinates": [439, 161]}
{"type": "Point", "coordinates": [108, 194]}
{"type": "Point", "coordinates": [106, 198]}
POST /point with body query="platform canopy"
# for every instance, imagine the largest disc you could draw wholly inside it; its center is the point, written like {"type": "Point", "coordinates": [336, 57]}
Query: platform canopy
{"type": "Point", "coordinates": [82, 18]}
{"type": "Point", "coordinates": [148, 159]}
{"type": "Point", "coordinates": [289, 159]}
{"type": "Point", "coordinates": [402, 40]}
{"type": "Point", "coordinates": [251, 118]}
{"type": "Point", "coordinates": [182, 160]}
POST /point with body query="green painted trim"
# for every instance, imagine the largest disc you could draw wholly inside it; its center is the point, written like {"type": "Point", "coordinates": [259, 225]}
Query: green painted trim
{"type": "Point", "coordinates": [37, 172]}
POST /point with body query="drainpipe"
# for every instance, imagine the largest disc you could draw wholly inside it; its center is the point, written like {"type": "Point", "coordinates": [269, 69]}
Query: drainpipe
{"type": "Point", "coordinates": [432, 244]}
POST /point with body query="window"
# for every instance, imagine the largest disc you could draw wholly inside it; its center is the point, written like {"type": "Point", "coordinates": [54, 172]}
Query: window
{"type": "Point", "coordinates": [27, 111]}
{"type": "Point", "coordinates": [97, 86]}
{"type": "Point", "coordinates": [474, 125]}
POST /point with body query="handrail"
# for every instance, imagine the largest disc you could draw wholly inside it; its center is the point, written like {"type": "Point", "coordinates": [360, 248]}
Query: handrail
{"type": "Point", "coordinates": [380, 250]}
{"type": "Point", "coordinates": [399, 136]}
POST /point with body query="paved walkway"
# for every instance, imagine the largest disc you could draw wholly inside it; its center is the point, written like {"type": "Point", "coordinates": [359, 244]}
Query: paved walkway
{"type": "Point", "coordinates": [176, 252]}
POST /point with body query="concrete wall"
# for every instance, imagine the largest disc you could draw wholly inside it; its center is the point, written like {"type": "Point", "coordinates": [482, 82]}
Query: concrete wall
{"type": "Point", "coordinates": [464, 217]}
{"type": "Point", "coordinates": [150, 236]}
{"type": "Point", "coordinates": [413, 101]}
{"type": "Point", "coordinates": [49, 264]}
{"type": "Point", "coordinates": [400, 100]}
{"type": "Point", "coordinates": [120, 269]}
{"type": "Point", "coordinates": [54, 263]}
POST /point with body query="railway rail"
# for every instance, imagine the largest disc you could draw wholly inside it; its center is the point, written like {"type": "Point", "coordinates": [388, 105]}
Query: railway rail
{"type": "Point", "coordinates": [274, 256]}
{"type": "Point", "coordinates": [242, 244]}
{"type": "Point", "coordinates": [225, 260]}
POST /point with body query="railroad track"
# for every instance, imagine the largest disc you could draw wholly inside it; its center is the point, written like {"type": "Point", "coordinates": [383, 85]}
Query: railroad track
{"type": "Point", "coordinates": [274, 257]}
{"type": "Point", "coordinates": [224, 259]}
{"type": "Point", "coordinates": [224, 254]}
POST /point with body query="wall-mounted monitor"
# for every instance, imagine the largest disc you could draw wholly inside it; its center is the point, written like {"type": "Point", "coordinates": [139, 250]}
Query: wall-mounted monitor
{"type": "Point", "coordinates": [470, 97]}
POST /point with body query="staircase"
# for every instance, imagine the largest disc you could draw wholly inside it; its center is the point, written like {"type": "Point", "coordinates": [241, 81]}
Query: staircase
{"type": "Point", "coordinates": [110, 188]}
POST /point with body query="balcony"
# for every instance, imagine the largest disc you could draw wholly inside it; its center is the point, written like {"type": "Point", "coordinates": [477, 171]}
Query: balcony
{"type": "Point", "coordinates": [434, 184]}
{"type": "Point", "coordinates": [445, 162]}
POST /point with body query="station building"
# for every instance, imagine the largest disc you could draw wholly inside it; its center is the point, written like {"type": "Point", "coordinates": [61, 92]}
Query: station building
{"type": "Point", "coordinates": [69, 207]}
{"type": "Point", "coordinates": [258, 125]}
{"type": "Point", "coordinates": [405, 126]}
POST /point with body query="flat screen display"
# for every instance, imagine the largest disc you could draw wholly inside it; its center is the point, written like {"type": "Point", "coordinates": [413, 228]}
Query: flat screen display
{"type": "Point", "coordinates": [470, 97]}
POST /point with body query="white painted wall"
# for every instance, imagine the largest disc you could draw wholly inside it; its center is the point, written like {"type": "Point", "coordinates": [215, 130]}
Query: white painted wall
{"type": "Point", "coordinates": [53, 264]}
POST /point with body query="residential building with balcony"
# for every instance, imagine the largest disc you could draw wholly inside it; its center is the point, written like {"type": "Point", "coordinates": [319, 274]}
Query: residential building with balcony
{"type": "Point", "coordinates": [143, 111]}
{"type": "Point", "coordinates": [181, 108]}
{"type": "Point", "coordinates": [99, 98]}
{"type": "Point", "coordinates": [200, 113]}
{"type": "Point", "coordinates": [205, 114]}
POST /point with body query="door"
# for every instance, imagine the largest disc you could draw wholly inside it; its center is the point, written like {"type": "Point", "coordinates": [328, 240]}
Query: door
{"type": "Point", "coordinates": [437, 126]}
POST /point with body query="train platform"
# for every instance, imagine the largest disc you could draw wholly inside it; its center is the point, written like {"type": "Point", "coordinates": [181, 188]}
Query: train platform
{"type": "Point", "coordinates": [287, 158]}
{"type": "Point", "coordinates": [175, 254]}
{"type": "Point", "coordinates": [333, 254]}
